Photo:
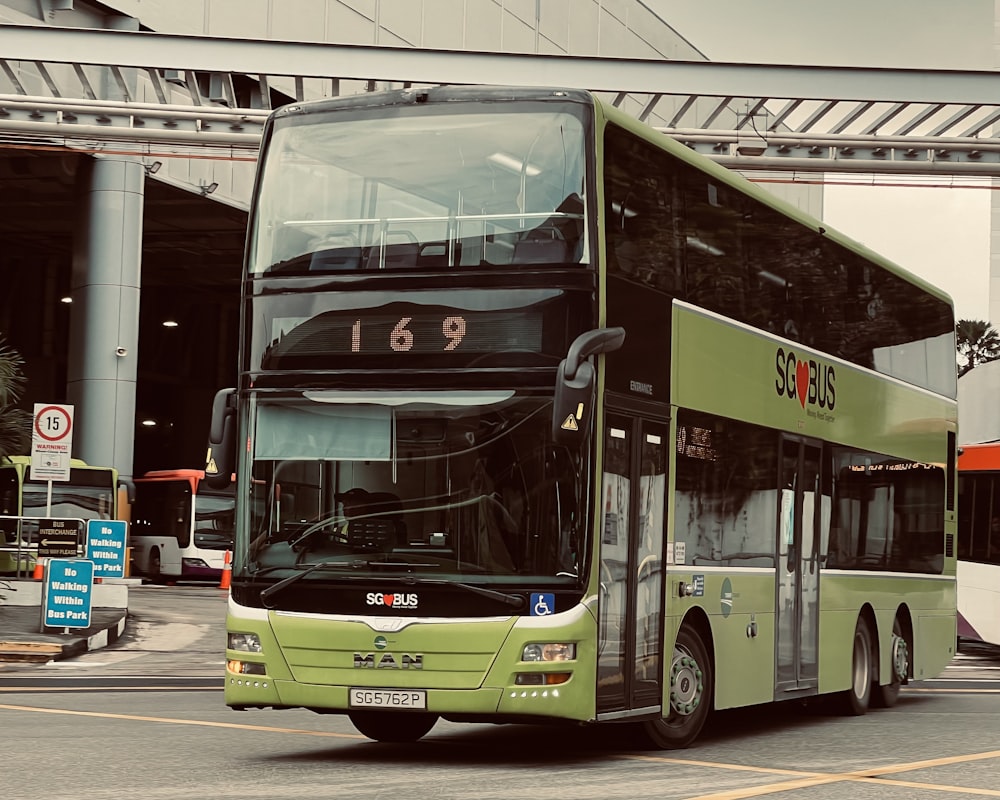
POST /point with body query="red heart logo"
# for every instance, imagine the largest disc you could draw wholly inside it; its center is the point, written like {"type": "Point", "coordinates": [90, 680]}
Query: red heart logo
{"type": "Point", "coordinates": [802, 381]}
{"type": "Point", "coordinates": [389, 599]}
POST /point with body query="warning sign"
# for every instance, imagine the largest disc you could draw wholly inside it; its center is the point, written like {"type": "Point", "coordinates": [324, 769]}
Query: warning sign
{"type": "Point", "coordinates": [51, 442]}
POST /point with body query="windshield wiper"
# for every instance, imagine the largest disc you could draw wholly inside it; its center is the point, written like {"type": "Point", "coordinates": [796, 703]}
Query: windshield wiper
{"type": "Point", "coordinates": [514, 600]}
{"type": "Point", "coordinates": [283, 584]}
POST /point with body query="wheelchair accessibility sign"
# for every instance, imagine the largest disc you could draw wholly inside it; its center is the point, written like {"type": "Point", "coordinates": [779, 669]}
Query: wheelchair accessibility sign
{"type": "Point", "coordinates": [542, 604]}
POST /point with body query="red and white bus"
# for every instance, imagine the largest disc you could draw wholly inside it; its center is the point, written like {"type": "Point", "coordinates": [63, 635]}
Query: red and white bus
{"type": "Point", "coordinates": [979, 542]}
{"type": "Point", "coordinates": [181, 529]}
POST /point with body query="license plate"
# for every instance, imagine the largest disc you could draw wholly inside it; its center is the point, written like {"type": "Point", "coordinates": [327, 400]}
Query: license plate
{"type": "Point", "coordinates": [400, 699]}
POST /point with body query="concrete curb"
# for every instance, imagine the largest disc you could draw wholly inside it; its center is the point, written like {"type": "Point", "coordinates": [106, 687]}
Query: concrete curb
{"type": "Point", "coordinates": [22, 640]}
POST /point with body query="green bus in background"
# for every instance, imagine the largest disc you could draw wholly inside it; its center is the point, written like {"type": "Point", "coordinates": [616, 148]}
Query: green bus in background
{"type": "Point", "coordinates": [544, 417]}
{"type": "Point", "coordinates": [90, 493]}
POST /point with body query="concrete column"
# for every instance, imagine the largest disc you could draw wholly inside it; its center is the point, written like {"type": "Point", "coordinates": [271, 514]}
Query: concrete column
{"type": "Point", "coordinates": [104, 327]}
{"type": "Point", "coordinates": [994, 295]}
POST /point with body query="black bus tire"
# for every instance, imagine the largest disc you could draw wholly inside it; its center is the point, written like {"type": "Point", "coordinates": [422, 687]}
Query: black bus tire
{"type": "Point", "coordinates": [855, 701]}
{"type": "Point", "coordinates": [690, 694]}
{"type": "Point", "coordinates": [393, 726]}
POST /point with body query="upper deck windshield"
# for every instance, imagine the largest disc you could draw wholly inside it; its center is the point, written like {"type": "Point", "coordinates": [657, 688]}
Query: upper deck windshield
{"type": "Point", "coordinates": [440, 485]}
{"type": "Point", "coordinates": [453, 185]}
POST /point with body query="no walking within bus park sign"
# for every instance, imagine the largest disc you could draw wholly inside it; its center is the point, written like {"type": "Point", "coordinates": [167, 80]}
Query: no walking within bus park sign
{"type": "Point", "coordinates": [51, 442]}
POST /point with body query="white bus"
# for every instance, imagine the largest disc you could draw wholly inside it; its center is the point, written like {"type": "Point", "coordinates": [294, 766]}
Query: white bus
{"type": "Point", "coordinates": [181, 529]}
{"type": "Point", "coordinates": [979, 543]}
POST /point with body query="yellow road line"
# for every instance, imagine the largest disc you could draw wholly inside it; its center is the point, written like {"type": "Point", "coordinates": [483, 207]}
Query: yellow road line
{"type": "Point", "coordinates": [805, 780]}
{"type": "Point", "coordinates": [171, 721]}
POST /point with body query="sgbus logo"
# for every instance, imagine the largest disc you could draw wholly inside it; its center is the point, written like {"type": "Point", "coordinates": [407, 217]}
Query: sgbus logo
{"type": "Point", "coordinates": [391, 600]}
{"type": "Point", "coordinates": [809, 381]}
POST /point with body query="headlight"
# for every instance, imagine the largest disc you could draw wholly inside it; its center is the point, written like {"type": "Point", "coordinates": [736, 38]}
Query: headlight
{"type": "Point", "coordinates": [565, 651]}
{"type": "Point", "coordinates": [247, 642]}
{"type": "Point", "coordinates": [245, 667]}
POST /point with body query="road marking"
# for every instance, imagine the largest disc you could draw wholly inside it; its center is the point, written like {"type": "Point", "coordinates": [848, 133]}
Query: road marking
{"type": "Point", "coordinates": [809, 779]}
{"type": "Point", "coordinates": [171, 721]}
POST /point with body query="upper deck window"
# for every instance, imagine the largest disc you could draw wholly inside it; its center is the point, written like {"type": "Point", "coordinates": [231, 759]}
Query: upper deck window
{"type": "Point", "coordinates": [422, 187]}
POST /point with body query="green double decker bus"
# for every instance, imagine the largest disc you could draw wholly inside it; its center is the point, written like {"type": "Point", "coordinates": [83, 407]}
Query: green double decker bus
{"type": "Point", "coordinates": [543, 417]}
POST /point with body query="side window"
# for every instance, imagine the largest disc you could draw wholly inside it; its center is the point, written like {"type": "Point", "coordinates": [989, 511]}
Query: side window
{"type": "Point", "coordinates": [726, 491]}
{"type": "Point", "coordinates": [888, 513]}
{"type": "Point", "coordinates": [641, 213]}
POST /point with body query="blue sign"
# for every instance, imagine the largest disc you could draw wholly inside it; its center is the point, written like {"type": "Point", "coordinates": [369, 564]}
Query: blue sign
{"type": "Point", "coordinates": [69, 585]}
{"type": "Point", "coordinates": [542, 604]}
{"type": "Point", "coordinates": [106, 547]}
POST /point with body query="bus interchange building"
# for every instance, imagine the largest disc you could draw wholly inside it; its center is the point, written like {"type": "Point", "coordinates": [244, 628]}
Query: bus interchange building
{"type": "Point", "coordinates": [127, 175]}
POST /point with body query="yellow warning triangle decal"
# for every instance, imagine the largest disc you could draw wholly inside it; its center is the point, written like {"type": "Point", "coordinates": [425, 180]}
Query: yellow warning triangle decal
{"type": "Point", "coordinates": [211, 467]}
{"type": "Point", "coordinates": [570, 424]}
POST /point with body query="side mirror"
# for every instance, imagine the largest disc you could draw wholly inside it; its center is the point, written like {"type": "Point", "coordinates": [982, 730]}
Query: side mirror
{"type": "Point", "coordinates": [574, 389]}
{"type": "Point", "coordinates": [220, 461]}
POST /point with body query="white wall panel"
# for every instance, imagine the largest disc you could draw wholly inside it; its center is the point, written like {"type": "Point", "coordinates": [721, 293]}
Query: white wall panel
{"type": "Point", "coordinates": [584, 39]}
{"type": "Point", "coordinates": [445, 27]}
{"type": "Point", "coordinates": [404, 19]}
{"type": "Point", "coordinates": [483, 21]}
{"type": "Point", "coordinates": [517, 35]}
{"type": "Point", "coordinates": [346, 25]}
{"type": "Point", "coordinates": [245, 19]}
{"type": "Point", "coordinates": [554, 19]}
{"type": "Point", "coordinates": [298, 20]}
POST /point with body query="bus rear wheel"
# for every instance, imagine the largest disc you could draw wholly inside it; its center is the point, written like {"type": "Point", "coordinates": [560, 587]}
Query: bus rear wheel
{"type": "Point", "coordinates": [392, 726]}
{"type": "Point", "coordinates": [691, 684]}
{"type": "Point", "coordinates": [854, 702]}
{"type": "Point", "coordinates": [899, 657]}
{"type": "Point", "coordinates": [153, 566]}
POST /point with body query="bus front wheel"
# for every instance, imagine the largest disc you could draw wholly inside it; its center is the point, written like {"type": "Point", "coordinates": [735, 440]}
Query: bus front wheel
{"type": "Point", "coordinates": [392, 726]}
{"type": "Point", "coordinates": [691, 689]}
{"type": "Point", "coordinates": [854, 702]}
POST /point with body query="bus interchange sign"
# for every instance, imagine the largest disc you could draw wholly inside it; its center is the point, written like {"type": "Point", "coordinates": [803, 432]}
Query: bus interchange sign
{"type": "Point", "coordinates": [59, 538]}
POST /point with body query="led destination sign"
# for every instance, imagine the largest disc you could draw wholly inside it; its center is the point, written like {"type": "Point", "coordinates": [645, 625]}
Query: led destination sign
{"type": "Point", "coordinates": [418, 332]}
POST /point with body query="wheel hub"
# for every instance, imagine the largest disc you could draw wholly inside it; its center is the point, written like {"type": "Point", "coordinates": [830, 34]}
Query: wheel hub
{"type": "Point", "coordinates": [686, 684]}
{"type": "Point", "coordinates": [900, 658]}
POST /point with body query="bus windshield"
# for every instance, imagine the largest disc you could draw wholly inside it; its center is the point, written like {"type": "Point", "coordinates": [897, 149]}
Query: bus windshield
{"type": "Point", "coordinates": [434, 483]}
{"type": "Point", "coordinates": [89, 494]}
{"type": "Point", "coordinates": [441, 187]}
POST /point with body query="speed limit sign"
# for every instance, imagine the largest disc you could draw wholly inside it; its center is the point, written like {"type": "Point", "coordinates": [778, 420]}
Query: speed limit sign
{"type": "Point", "coordinates": [51, 442]}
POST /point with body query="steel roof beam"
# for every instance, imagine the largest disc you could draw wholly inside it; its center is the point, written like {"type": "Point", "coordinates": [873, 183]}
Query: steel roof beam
{"type": "Point", "coordinates": [423, 65]}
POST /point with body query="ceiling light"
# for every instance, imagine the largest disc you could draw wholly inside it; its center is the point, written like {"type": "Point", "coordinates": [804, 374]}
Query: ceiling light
{"type": "Point", "coordinates": [170, 323]}
{"type": "Point", "coordinates": [514, 164]}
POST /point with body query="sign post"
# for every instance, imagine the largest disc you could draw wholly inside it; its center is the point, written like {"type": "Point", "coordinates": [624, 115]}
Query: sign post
{"type": "Point", "coordinates": [51, 445]}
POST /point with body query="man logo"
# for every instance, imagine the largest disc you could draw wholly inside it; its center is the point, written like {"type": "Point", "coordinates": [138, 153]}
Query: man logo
{"type": "Point", "coordinates": [388, 661]}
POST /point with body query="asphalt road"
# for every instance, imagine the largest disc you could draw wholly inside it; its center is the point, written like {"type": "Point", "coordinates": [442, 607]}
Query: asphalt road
{"type": "Point", "coordinates": [145, 717]}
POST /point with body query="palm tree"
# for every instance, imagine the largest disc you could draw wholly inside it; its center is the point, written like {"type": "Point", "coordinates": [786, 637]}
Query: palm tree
{"type": "Point", "coordinates": [978, 342]}
{"type": "Point", "coordinates": [15, 423]}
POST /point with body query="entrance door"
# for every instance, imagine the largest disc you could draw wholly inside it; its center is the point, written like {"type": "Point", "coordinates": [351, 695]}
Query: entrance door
{"type": "Point", "coordinates": [634, 493]}
{"type": "Point", "coordinates": [802, 513]}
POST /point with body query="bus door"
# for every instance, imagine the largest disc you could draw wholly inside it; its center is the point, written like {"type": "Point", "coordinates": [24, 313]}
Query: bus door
{"type": "Point", "coordinates": [801, 515]}
{"type": "Point", "coordinates": [633, 499]}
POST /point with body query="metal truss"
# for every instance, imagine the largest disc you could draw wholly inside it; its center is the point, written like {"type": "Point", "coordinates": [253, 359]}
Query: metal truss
{"type": "Point", "coordinates": [164, 94]}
